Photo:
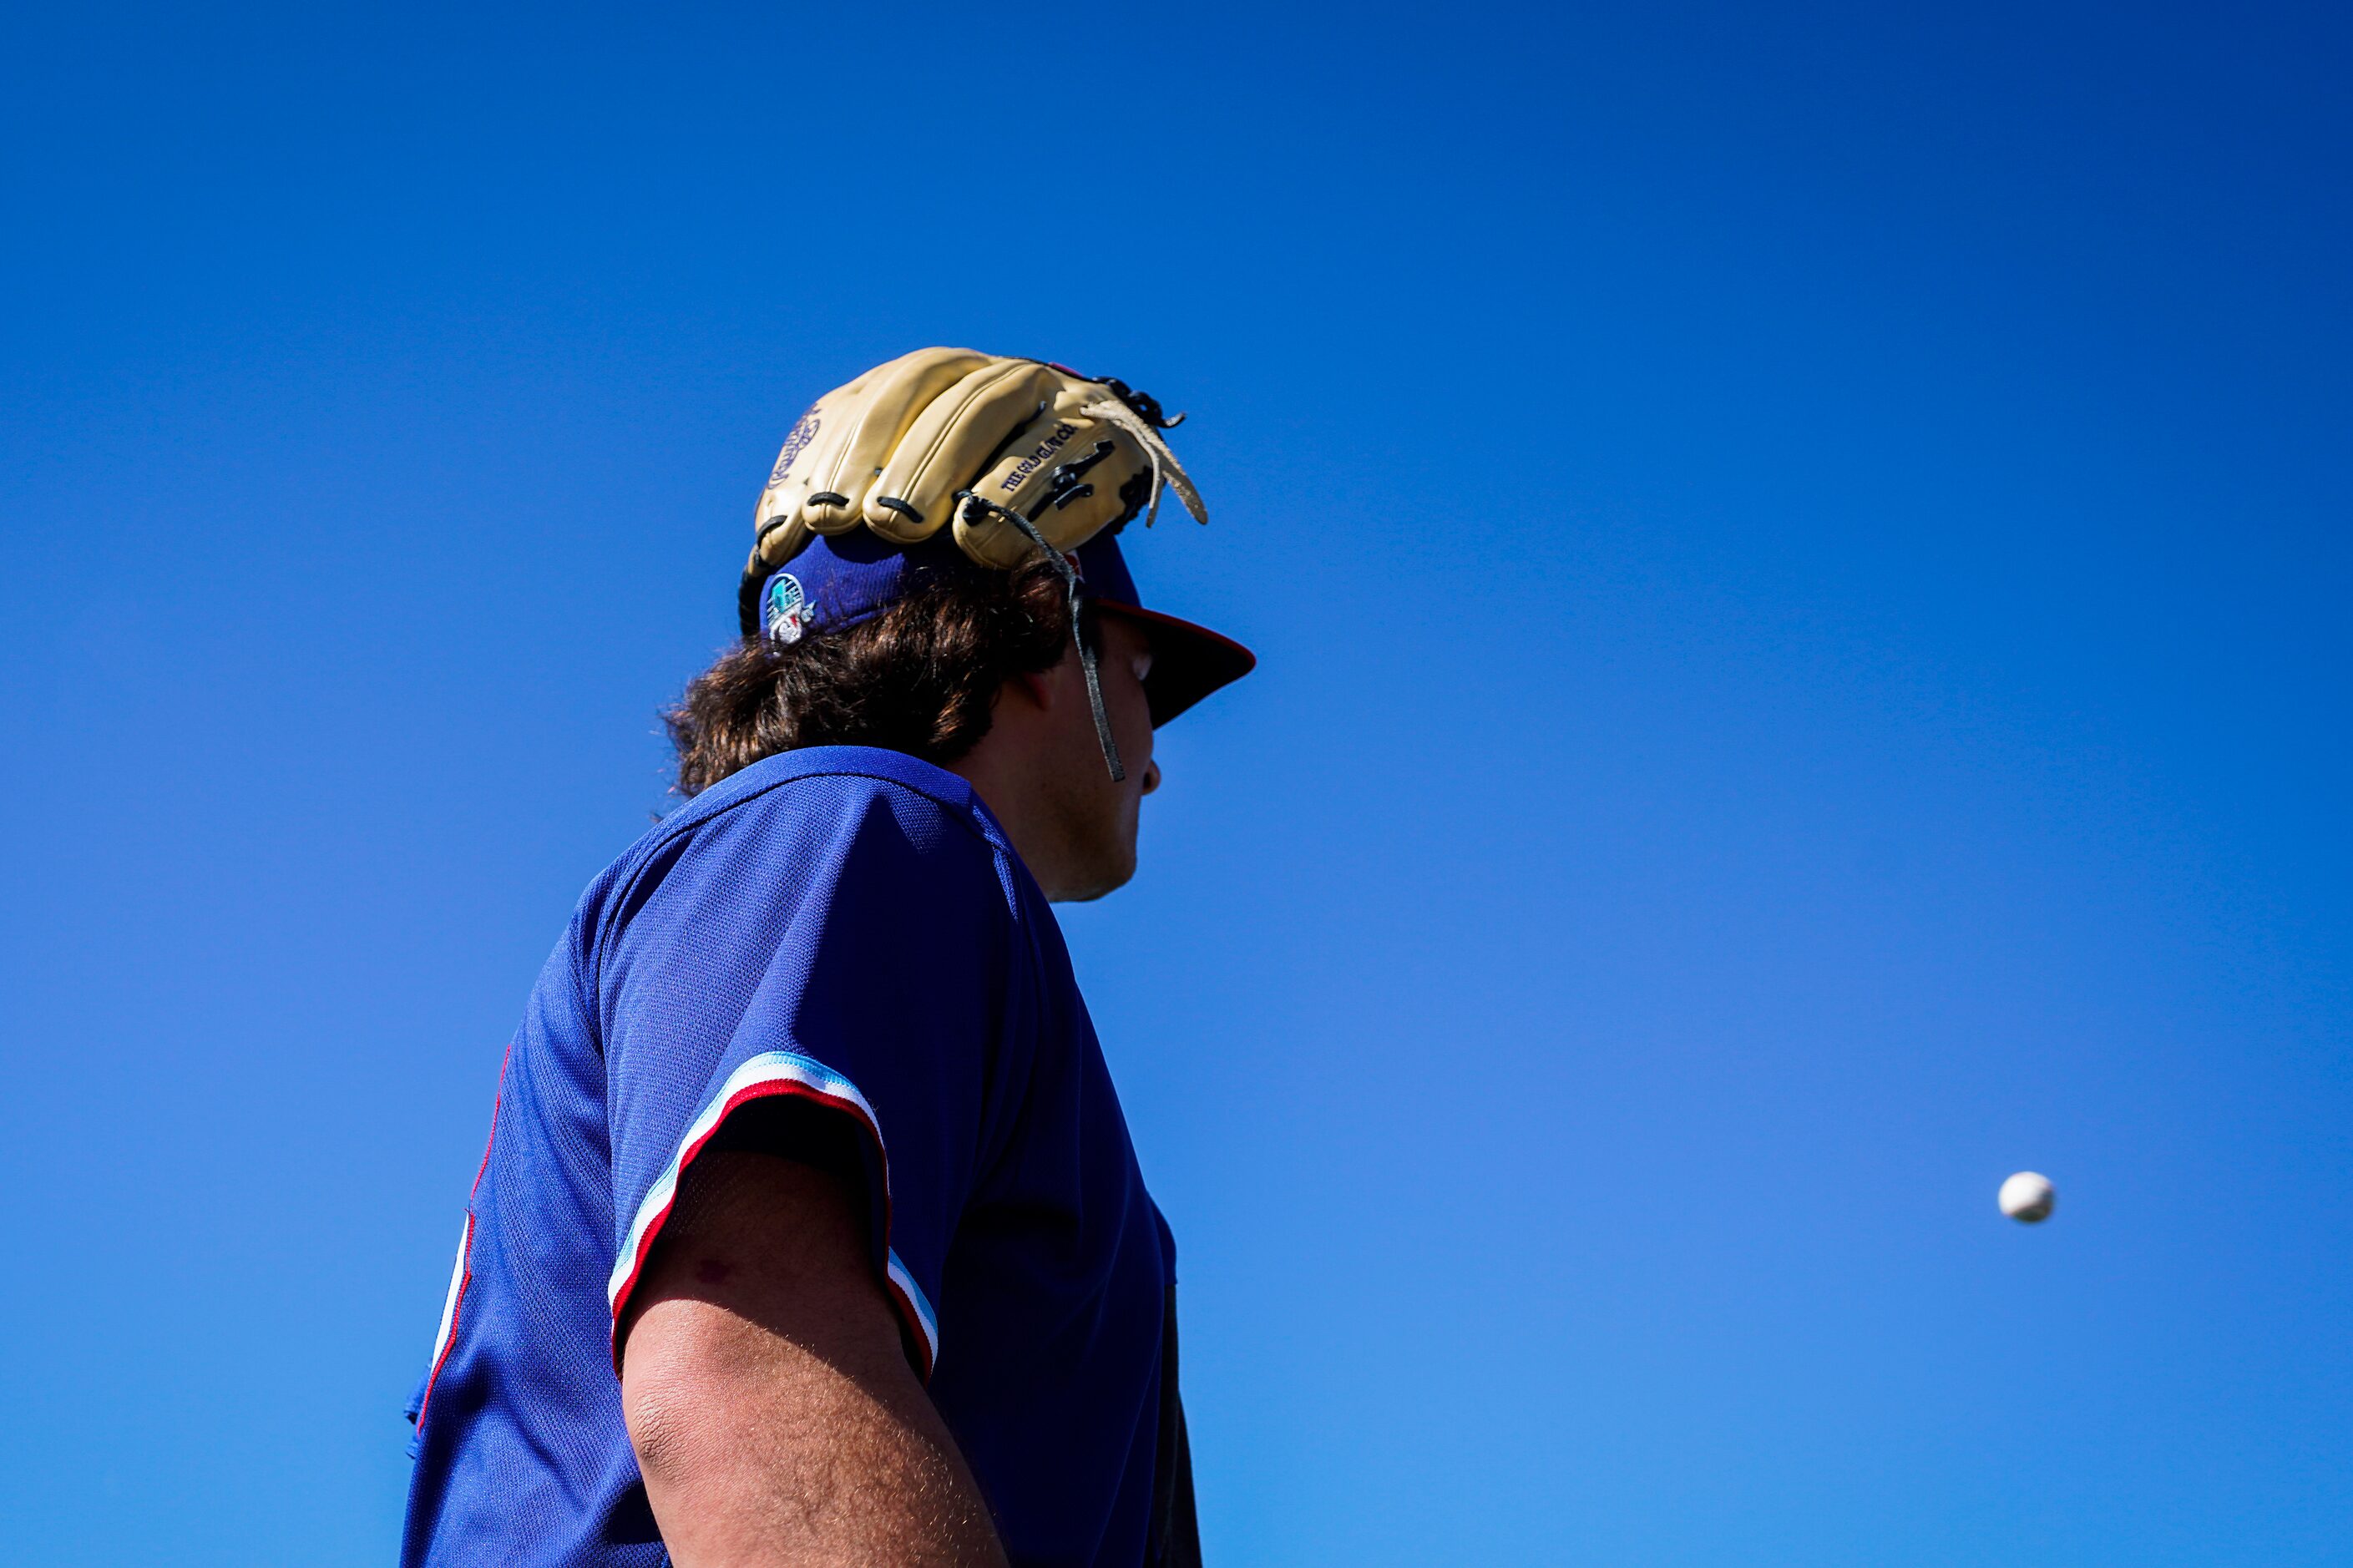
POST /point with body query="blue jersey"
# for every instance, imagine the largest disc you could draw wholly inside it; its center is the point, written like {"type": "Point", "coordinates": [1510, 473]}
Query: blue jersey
{"type": "Point", "coordinates": [836, 955]}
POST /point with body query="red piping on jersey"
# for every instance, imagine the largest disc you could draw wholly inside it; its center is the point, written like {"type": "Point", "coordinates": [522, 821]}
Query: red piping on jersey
{"type": "Point", "coordinates": [466, 1242]}
{"type": "Point", "coordinates": [913, 1324]}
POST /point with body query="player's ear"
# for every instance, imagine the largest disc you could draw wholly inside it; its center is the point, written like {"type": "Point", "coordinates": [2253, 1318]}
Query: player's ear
{"type": "Point", "coordinates": [1036, 686]}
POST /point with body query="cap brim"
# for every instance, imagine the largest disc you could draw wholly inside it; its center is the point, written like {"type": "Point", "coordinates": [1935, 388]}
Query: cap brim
{"type": "Point", "coordinates": [1188, 662]}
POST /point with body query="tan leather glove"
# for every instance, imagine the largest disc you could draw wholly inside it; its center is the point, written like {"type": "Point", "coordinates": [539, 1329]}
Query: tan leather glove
{"type": "Point", "coordinates": [949, 437]}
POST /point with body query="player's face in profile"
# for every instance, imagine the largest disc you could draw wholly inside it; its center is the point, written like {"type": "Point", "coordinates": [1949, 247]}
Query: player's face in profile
{"type": "Point", "coordinates": [1095, 818]}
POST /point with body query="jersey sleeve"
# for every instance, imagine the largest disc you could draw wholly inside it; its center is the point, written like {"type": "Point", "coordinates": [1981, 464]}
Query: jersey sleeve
{"type": "Point", "coordinates": [819, 973]}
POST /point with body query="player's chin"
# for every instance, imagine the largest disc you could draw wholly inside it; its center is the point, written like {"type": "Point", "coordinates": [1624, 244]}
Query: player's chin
{"type": "Point", "coordinates": [1107, 871]}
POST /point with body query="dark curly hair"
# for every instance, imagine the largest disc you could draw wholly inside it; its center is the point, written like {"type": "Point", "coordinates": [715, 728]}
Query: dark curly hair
{"type": "Point", "coordinates": [920, 677]}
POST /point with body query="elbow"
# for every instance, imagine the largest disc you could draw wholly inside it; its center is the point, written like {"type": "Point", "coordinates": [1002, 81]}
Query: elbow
{"type": "Point", "coordinates": [661, 1409]}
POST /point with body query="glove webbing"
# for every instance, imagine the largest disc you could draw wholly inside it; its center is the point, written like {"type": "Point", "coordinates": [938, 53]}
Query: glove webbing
{"type": "Point", "coordinates": [1080, 628]}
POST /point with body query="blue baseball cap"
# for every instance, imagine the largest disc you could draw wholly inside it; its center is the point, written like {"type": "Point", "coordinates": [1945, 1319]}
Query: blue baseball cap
{"type": "Point", "coordinates": [840, 580]}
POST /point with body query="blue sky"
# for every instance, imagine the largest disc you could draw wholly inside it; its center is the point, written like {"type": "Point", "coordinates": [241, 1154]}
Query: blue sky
{"type": "Point", "coordinates": [1800, 559]}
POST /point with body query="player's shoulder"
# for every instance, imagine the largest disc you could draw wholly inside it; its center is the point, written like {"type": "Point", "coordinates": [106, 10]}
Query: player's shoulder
{"type": "Point", "coordinates": [827, 814]}
{"type": "Point", "coordinates": [821, 791]}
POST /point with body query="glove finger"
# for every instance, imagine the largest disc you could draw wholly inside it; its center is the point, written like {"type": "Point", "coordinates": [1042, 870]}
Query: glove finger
{"type": "Point", "coordinates": [781, 538]}
{"type": "Point", "coordinates": [782, 530]}
{"type": "Point", "coordinates": [953, 440]}
{"type": "Point", "coordinates": [874, 414]}
{"type": "Point", "coordinates": [1079, 477]}
{"type": "Point", "coordinates": [815, 444]}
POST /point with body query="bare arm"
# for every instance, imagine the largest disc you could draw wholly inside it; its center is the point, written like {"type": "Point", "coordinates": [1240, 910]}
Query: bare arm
{"type": "Point", "coordinates": [775, 1415]}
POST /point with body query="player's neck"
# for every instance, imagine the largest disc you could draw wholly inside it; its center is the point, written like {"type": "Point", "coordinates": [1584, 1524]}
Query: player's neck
{"type": "Point", "coordinates": [1040, 774]}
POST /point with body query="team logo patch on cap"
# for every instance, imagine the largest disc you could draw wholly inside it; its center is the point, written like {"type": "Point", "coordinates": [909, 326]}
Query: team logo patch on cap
{"type": "Point", "coordinates": [786, 615]}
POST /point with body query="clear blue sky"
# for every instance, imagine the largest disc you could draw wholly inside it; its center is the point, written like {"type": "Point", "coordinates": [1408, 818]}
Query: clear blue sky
{"type": "Point", "coordinates": [1800, 561]}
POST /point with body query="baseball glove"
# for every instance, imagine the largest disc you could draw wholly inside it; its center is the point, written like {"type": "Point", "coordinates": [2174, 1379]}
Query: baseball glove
{"type": "Point", "coordinates": [982, 444]}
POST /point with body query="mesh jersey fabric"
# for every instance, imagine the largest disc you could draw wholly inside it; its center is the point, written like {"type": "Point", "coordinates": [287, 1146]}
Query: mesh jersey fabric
{"type": "Point", "coordinates": [833, 955]}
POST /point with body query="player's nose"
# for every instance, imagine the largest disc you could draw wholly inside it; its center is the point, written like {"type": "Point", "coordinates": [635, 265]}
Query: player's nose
{"type": "Point", "coordinates": [1151, 777]}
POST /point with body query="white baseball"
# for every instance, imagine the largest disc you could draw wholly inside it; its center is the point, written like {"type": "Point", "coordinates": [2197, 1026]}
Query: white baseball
{"type": "Point", "coordinates": [2027, 1197]}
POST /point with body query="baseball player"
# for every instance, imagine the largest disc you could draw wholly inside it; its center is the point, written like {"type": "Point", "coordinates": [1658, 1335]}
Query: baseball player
{"type": "Point", "coordinates": [809, 1230]}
